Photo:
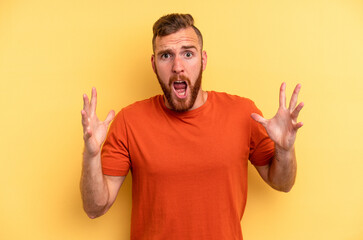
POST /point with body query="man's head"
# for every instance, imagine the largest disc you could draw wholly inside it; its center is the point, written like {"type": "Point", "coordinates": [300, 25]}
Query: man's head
{"type": "Point", "coordinates": [179, 60]}
{"type": "Point", "coordinates": [172, 23]}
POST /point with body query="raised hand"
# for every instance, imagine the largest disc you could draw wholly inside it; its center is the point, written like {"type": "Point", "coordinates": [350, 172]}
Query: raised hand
{"type": "Point", "coordinates": [282, 128]}
{"type": "Point", "coordinates": [94, 130]}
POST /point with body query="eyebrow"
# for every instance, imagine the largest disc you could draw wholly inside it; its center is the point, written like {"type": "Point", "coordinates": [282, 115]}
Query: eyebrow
{"type": "Point", "coordinates": [164, 51]}
{"type": "Point", "coordinates": [168, 50]}
{"type": "Point", "coordinates": [189, 47]}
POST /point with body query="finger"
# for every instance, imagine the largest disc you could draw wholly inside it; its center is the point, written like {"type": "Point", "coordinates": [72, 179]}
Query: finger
{"type": "Point", "coordinates": [87, 132]}
{"type": "Point", "coordinates": [109, 117]}
{"type": "Point", "coordinates": [93, 102]}
{"type": "Point", "coordinates": [85, 120]}
{"type": "Point", "coordinates": [259, 119]}
{"type": "Point", "coordinates": [282, 95]}
{"type": "Point", "coordinates": [297, 110]}
{"type": "Point", "coordinates": [86, 103]}
{"type": "Point", "coordinates": [299, 125]}
{"type": "Point", "coordinates": [294, 96]}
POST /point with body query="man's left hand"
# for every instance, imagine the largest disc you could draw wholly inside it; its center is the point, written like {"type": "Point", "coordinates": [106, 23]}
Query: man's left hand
{"type": "Point", "coordinates": [283, 126]}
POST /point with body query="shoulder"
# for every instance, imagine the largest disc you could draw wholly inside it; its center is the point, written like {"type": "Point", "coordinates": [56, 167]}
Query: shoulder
{"type": "Point", "coordinates": [226, 99]}
{"type": "Point", "coordinates": [142, 104]}
{"type": "Point", "coordinates": [140, 109]}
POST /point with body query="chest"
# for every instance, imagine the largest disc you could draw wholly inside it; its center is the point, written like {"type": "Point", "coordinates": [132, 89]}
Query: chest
{"type": "Point", "coordinates": [184, 147]}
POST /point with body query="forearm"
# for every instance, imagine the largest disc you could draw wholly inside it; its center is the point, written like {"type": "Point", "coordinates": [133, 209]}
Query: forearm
{"type": "Point", "coordinates": [94, 188]}
{"type": "Point", "coordinates": [282, 171]}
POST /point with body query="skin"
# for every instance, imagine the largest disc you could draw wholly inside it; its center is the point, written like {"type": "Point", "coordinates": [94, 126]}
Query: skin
{"type": "Point", "coordinates": [280, 174]}
{"type": "Point", "coordinates": [98, 191]}
{"type": "Point", "coordinates": [179, 54]}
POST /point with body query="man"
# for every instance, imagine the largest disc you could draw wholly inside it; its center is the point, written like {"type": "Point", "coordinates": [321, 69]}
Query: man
{"type": "Point", "coordinates": [188, 149]}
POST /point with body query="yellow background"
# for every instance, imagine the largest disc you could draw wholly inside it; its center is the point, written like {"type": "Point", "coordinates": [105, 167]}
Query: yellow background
{"type": "Point", "coordinates": [51, 52]}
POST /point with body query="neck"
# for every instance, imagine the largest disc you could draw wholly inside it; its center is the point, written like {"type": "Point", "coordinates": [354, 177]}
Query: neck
{"type": "Point", "coordinates": [201, 99]}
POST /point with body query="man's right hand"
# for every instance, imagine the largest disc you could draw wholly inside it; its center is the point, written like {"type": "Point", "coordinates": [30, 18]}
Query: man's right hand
{"type": "Point", "coordinates": [98, 191]}
{"type": "Point", "coordinates": [94, 130]}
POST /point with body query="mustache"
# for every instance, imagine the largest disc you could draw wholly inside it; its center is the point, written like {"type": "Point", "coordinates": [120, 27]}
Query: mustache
{"type": "Point", "coordinates": [178, 78]}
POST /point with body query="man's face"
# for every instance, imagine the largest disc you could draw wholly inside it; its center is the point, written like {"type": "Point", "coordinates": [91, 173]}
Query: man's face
{"type": "Point", "coordinates": [178, 62]}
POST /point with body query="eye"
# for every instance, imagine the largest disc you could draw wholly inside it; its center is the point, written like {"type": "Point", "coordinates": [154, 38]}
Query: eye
{"type": "Point", "coordinates": [165, 55]}
{"type": "Point", "coordinates": [189, 54]}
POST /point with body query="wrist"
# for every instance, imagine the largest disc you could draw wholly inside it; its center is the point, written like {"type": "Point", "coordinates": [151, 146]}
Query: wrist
{"type": "Point", "coordinates": [87, 154]}
{"type": "Point", "coordinates": [281, 151]}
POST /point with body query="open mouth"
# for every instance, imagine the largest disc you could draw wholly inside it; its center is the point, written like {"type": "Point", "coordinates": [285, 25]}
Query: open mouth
{"type": "Point", "coordinates": [180, 88]}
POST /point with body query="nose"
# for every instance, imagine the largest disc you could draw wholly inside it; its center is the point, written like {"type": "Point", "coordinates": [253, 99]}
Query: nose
{"type": "Point", "coordinates": [177, 65]}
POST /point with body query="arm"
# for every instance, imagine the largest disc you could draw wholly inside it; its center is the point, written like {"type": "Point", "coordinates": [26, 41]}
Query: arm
{"type": "Point", "coordinates": [281, 172]}
{"type": "Point", "coordinates": [98, 191]}
{"type": "Point", "coordinates": [282, 128]}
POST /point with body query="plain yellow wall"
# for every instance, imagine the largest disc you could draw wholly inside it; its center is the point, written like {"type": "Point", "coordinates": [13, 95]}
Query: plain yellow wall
{"type": "Point", "coordinates": [51, 52]}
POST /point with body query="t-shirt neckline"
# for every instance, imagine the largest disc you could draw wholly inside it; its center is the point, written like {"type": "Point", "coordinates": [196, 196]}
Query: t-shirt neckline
{"type": "Point", "coordinates": [190, 113]}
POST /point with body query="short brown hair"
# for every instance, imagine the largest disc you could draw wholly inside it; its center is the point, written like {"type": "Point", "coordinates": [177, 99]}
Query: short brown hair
{"type": "Point", "coordinates": [172, 23]}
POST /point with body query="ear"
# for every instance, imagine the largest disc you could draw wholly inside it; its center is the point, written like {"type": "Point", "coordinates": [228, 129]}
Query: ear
{"type": "Point", "coordinates": [204, 59]}
{"type": "Point", "coordinates": [153, 63]}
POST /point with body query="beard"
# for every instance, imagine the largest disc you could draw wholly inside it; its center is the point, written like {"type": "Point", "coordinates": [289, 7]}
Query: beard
{"type": "Point", "coordinates": [181, 104]}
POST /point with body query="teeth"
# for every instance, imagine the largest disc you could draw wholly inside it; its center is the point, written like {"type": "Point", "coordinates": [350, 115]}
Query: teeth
{"type": "Point", "coordinates": [181, 92]}
{"type": "Point", "coordinates": [179, 81]}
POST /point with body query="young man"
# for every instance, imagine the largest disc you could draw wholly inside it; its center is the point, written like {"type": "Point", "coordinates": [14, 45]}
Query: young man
{"type": "Point", "coordinates": [187, 149]}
